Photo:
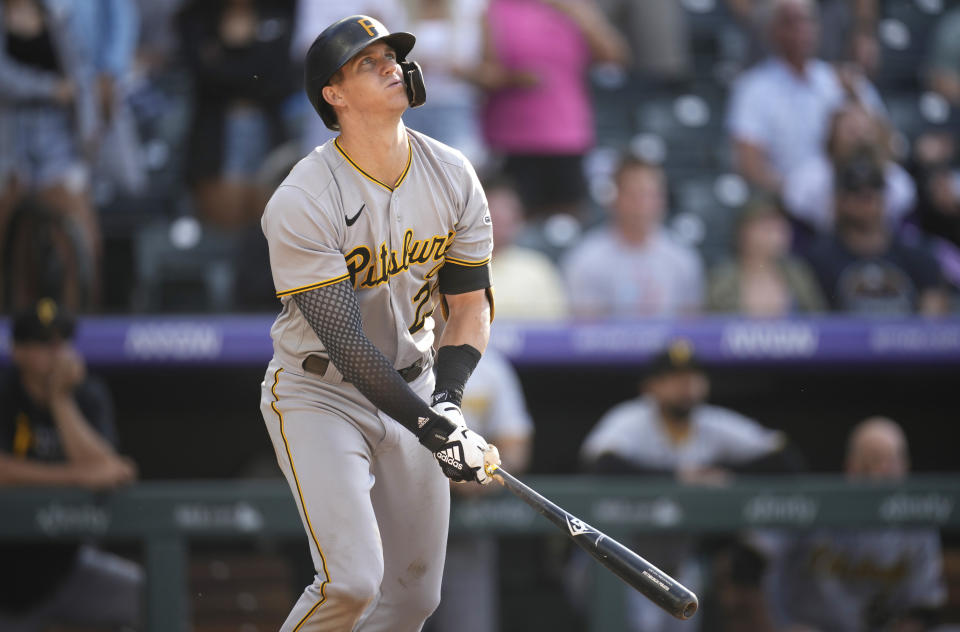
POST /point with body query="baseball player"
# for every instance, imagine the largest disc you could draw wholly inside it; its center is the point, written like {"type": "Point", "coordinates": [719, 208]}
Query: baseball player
{"type": "Point", "coordinates": [368, 234]}
{"type": "Point", "coordinates": [881, 578]}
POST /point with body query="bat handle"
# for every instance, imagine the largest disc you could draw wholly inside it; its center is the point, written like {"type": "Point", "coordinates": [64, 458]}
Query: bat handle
{"type": "Point", "coordinates": [495, 472]}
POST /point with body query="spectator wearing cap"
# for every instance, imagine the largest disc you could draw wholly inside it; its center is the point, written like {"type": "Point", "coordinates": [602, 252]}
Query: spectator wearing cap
{"type": "Point", "coordinates": [670, 431]}
{"type": "Point", "coordinates": [632, 266]}
{"type": "Point", "coordinates": [866, 268]}
{"type": "Point", "coordinates": [764, 279]}
{"type": "Point", "coordinates": [56, 429]}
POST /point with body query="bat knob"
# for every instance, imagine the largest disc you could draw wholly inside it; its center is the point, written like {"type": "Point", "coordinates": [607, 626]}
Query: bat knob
{"type": "Point", "coordinates": [491, 460]}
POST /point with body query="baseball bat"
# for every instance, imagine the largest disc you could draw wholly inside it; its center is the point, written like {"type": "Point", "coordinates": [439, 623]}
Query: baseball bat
{"type": "Point", "coordinates": [637, 572]}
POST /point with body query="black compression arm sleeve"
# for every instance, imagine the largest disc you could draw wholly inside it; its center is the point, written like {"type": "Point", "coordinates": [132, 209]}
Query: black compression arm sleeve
{"type": "Point", "coordinates": [334, 314]}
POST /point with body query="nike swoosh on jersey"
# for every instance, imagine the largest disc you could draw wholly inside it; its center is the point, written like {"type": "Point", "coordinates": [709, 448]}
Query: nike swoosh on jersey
{"type": "Point", "coordinates": [352, 220]}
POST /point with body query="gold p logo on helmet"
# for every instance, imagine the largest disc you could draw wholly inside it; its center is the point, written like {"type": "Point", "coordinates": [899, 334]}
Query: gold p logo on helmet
{"type": "Point", "coordinates": [46, 311]}
{"type": "Point", "coordinates": [681, 352]}
{"type": "Point", "coordinates": [368, 26]}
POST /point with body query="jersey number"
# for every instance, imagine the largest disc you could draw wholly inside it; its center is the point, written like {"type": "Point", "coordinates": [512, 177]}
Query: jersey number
{"type": "Point", "coordinates": [421, 298]}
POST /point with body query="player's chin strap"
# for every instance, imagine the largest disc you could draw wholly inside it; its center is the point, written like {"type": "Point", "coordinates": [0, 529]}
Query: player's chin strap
{"type": "Point", "coordinates": [413, 80]}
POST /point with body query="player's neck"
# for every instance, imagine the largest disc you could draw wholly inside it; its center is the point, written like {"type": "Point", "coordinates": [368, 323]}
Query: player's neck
{"type": "Point", "coordinates": [383, 153]}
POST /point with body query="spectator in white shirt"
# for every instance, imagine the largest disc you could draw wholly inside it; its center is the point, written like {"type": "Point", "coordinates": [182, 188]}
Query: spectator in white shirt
{"type": "Point", "coordinates": [631, 266]}
{"type": "Point", "coordinates": [779, 110]}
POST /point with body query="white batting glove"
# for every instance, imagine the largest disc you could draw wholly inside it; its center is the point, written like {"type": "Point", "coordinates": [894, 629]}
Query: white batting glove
{"type": "Point", "coordinates": [463, 457]}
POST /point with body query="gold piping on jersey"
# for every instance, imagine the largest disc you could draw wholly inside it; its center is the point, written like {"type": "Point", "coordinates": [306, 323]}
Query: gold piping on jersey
{"type": "Point", "coordinates": [406, 169]}
{"type": "Point", "coordinates": [469, 264]}
{"type": "Point", "coordinates": [313, 286]}
{"type": "Point", "coordinates": [303, 505]}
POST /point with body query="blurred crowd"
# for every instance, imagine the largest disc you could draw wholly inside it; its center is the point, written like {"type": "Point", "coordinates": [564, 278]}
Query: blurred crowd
{"type": "Point", "coordinates": [654, 158]}
{"type": "Point", "coordinates": [756, 157]}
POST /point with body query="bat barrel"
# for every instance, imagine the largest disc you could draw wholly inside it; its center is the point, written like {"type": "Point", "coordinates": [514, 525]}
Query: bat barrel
{"type": "Point", "coordinates": [662, 589]}
{"type": "Point", "coordinates": [640, 574]}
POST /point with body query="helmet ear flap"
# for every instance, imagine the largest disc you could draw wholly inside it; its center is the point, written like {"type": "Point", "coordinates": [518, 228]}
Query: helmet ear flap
{"type": "Point", "coordinates": [413, 80]}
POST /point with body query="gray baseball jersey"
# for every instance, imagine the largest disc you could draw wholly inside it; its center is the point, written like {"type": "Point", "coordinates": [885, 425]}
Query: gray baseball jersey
{"type": "Point", "coordinates": [854, 580]}
{"type": "Point", "coordinates": [632, 430]}
{"type": "Point", "coordinates": [371, 498]}
{"type": "Point", "coordinates": [330, 221]}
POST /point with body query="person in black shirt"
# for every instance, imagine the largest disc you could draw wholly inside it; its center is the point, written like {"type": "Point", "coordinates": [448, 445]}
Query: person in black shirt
{"type": "Point", "coordinates": [56, 429]}
{"type": "Point", "coordinates": [864, 267]}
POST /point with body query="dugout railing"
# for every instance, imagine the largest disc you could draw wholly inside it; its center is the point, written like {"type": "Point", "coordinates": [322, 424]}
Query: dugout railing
{"type": "Point", "coordinates": [166, 516]}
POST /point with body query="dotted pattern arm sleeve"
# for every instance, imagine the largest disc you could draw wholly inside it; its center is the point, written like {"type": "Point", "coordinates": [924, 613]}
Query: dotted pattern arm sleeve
{"type": "Point", "coordinates": [334, 314]}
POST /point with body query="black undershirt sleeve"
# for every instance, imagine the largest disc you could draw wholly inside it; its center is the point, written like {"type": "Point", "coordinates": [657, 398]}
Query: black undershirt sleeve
{"type": "Point", "coordinates": [334, 314]}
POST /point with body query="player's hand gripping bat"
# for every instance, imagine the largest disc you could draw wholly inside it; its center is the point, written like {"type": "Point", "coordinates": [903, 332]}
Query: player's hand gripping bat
{"type": "Point", "coordinates": [656, 585]}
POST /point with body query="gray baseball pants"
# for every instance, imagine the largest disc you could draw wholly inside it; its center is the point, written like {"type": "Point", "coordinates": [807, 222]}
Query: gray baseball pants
{"type": "Point", "coordinates": [374, 504]}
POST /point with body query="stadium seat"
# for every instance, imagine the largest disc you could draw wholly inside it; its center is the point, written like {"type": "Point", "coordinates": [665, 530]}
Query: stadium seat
{"type": "Point", "coordinates": [182, 266]}
{"type": "Point", "coordinates": [712, 201]}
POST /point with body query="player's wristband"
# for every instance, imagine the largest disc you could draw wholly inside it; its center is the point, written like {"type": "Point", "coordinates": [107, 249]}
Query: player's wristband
{"type": "Point", "coordinates": [435, 432]}
{"type": "Point", "coordinates": [454, 366]}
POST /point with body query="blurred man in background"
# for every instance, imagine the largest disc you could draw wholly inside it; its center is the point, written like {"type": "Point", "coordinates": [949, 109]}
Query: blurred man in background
{"type": "Point", "coordinates": [888, 579]}
{"type": "Point", "coordinates": [672, 432]}
{"type": "Point", "coordinates": [865, 267]}
{"type": "Point", "coordinates": [631, 266]}
{"type": "Point", "coordinates": [56, 429]}
{"type": "Point", "coordinates": [780, 108]}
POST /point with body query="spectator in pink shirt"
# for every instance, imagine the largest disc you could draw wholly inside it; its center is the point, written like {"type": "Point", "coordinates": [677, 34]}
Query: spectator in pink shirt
{"type": "Point", "coordinates": [538, 116]}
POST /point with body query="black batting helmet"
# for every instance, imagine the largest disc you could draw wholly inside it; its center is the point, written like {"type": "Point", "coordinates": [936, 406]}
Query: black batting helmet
{"type": "Point", "coordinates": [338, 43]}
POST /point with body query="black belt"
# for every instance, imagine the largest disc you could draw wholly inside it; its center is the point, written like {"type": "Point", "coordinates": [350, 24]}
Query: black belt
{"type": "Point", "coordinates": [318, 365]}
